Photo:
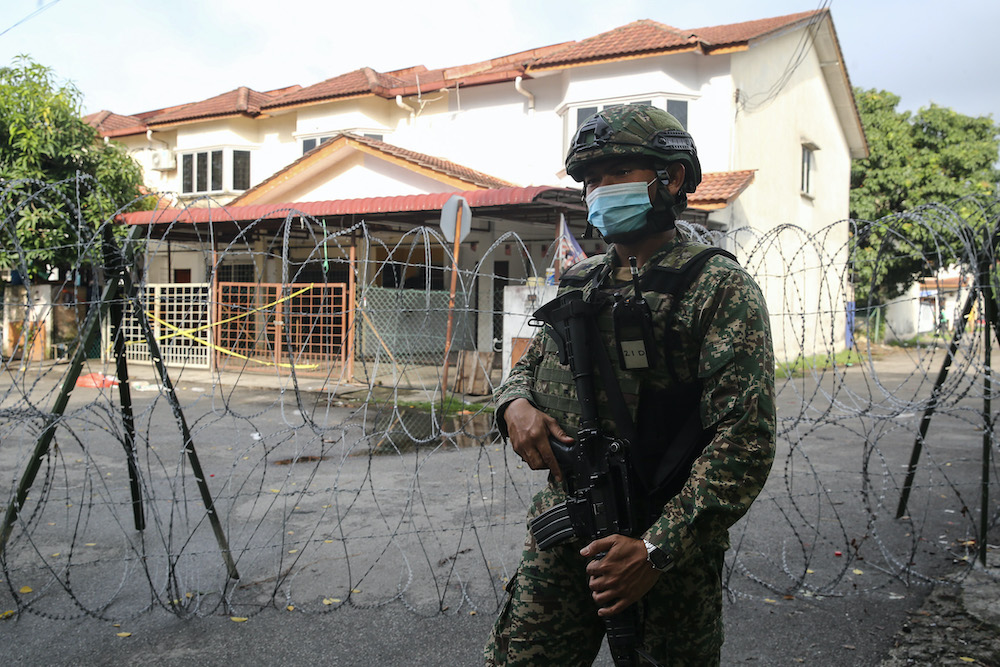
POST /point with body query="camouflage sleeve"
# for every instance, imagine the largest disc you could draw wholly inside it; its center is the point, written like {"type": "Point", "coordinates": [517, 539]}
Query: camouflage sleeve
{"type": "Point", "coordinates": [519, 383]}
{"type": "Point", "coordinates": [736, 367]}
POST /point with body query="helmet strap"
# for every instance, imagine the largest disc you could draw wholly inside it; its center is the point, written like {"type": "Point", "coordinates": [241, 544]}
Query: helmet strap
{"type": "Point", "coordinates": [664, 213]}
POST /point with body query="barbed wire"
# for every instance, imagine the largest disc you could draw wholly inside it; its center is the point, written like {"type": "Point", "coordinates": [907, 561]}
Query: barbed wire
{"type": "Point", "coordinates": [325, 476]}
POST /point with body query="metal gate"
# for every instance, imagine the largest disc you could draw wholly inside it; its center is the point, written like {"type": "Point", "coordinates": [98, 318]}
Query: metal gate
{"type": "Point", "coordinates": [268, 325]}
{"type": "Point", "coordinates": [178, 315]}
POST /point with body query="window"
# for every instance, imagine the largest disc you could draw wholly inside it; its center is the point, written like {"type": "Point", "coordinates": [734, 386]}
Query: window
{"type": "Point", "coordinates": [313, 142]}
{"type": "Point", "coordinates": [808, 167]}
{"type": "Point", "coordinates": [207, 171]}
{"type": "Point", "coordinates": [241, 170]}
{"type": "Point", "coordinates": [679, 110]}
{"type": "Point", "coordinates": [202, 173]}
{"type": "Point", "coordinates": [187, 172]}
{"type": "Point", "coordinates": [216, 170]}
{"type": "Point", "coordinates": [235, 273]}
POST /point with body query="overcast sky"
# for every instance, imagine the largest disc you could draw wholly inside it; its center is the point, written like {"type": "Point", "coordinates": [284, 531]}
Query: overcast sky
{"type": "Point", "coordinates": [138, 55]}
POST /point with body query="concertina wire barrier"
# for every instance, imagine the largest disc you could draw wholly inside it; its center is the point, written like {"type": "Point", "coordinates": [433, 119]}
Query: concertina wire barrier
{"type": "Point", "coordinates": [322, 460]}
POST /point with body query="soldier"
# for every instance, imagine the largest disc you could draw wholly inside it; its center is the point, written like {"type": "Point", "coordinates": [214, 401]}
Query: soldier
{"type": "Point", "coordinates": [697, 381]}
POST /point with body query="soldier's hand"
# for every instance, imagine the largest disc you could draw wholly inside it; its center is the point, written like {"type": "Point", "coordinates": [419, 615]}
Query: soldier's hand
{"type": "Point", "coordinates": [529, 429]}
{"type": "Point", "coordinates": [622, 576]}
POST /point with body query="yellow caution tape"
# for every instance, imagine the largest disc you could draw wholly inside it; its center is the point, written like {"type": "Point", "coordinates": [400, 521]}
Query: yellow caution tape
{"type": "Point", "coordinates": [189, 333]}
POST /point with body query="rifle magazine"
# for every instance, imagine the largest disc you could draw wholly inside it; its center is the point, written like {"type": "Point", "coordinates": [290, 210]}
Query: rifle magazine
{"type": "Point", "coordinates": [552, 527]}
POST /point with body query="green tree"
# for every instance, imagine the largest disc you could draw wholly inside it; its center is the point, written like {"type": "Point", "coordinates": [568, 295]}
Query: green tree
{"type": "Point", "coordinates": [57, 179]}
{"type": "Point", "coordinates": [935, 156]}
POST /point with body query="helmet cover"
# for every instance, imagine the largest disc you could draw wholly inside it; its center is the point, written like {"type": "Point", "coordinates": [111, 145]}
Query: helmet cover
{"type": "Point", "coordinates": [642, 131]}
{"type": "Point", "coordinates": [634, 130]}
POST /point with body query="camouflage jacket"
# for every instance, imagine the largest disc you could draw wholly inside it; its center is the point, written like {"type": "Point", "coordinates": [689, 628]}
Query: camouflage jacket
{"type": "Point", "coordinates": [718, 339]}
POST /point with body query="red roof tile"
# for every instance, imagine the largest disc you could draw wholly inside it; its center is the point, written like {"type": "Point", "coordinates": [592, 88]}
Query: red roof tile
{"type": "Point", "coordinates": [369, 205]}
{"type": "Point", "coordinates": [737, 33]}
{"type": "Point", "coordinates": [650, 37]}
{"type": "Point", "coordinates": [638, 37]}
{"type": "Point", "coordinates": [414, 80]}
{"type": "Point", "coordinates": [719, 189]}
{"type": "Point", "coordinates": [110, 124]}
{"type": "Point", "coordinates": [949, 283]}
{"type": "Point", "coordinates": [359, 82]}
{"type": "Point", "coordinates": [242, 101]}
{"type": "Point", "coordinates": [715, 187]}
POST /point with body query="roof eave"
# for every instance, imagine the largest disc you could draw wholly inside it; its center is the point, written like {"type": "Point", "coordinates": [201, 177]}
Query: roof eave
{"type": "Point", "coordinates": [687, 48]}
{"type": "Point", "coordinates": [123, 132]}
{"type": "Point", "coordinates": [322, 99]}
{"type": "Point", "coordinates": [160, 125]}
{"type": "Point", "coordinates": [724, 49]}
{"type": "Point", "coordinates": [484, 200]}
{"type": "Point", "coordinates": [838, 82]}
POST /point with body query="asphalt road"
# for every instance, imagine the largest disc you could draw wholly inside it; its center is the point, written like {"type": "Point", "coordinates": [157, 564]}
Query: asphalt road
{"type": "Point", "coordinates": [792, 600]}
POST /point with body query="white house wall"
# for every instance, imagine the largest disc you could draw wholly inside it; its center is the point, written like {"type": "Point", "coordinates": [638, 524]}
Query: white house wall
{"type": "Point", "coordinates": [361, 175]}
{"type": "Point", "coordinates": [701, 80]}
{"type": "Point", "coordinates": [367, 114]}
{"type": "Point", "coordinates": [163, 258]}
{"type": "Point", "coordinates": [277, 147]}
{"type": "Point", "coordinates": [141, 149]}
{"type": "Point", "coordinates": [770, 136]}
{"type": "Point", "coordinates": [495, 129]}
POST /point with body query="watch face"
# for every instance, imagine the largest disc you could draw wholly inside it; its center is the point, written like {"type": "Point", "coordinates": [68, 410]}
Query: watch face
{"type": "Point", "coordinates": [658, 559]}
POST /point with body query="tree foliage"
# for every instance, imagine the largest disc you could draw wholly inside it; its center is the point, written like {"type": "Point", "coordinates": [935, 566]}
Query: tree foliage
{"type": "Point", "coordinates": [933, 157]}
{"type": "Point", "coordinates": [57, 178]}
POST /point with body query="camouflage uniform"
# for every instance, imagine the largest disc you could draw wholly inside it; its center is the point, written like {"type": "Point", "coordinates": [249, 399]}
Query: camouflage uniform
{"type": "Point", "coordinates": [718, 338]}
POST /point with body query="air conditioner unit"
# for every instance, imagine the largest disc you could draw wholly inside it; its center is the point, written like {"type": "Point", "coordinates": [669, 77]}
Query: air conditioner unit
{"type": "Point", "coordinates": [163, 160]}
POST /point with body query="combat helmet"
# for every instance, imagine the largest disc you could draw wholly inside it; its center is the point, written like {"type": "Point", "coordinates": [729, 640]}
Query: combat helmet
{"type": "Point", "coordinates": [638, 130]}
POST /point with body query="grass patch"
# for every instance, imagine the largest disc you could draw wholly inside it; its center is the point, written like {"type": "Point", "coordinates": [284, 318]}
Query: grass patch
{"type": "Point", "coordinates": [816, 362]}
{"type": "Point", "coordinates": [928, 339]}
{"type": "Point", "coordinates": [450, 406]}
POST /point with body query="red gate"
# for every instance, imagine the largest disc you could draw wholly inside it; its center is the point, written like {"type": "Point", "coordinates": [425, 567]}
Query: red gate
{"type": "Point", "coordinates": [268, 326]}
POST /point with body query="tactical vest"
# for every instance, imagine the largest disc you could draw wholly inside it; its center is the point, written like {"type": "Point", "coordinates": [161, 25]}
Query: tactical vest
{"type": "Point", "coordinates": [664, 401]}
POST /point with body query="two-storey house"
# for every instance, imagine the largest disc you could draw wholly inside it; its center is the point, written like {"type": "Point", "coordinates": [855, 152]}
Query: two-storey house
{"type": "Point", "coordinates": [769, 103]}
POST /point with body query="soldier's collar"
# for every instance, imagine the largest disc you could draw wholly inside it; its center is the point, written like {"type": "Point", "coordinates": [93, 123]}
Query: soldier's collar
{"type": "Point", "coordinates": [666, 249]}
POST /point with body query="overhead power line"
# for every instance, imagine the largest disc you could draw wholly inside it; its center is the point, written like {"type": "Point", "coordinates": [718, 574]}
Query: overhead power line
{"type": "Point", "coordinates": [30, 16]}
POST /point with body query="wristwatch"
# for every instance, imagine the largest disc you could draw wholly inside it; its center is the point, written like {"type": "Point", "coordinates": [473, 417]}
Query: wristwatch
{"type": "Point", "coordinates": [656, 557]}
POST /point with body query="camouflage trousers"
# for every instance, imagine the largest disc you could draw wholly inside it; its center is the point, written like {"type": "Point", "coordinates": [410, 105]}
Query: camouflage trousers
{"type": "Point", "coordinates": [550, 618]}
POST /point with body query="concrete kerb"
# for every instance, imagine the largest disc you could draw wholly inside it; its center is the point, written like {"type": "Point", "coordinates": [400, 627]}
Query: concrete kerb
{"type": "Point", "coordinates": [417, 385]}
{"type": "Point", "coordinates": [981, 589]}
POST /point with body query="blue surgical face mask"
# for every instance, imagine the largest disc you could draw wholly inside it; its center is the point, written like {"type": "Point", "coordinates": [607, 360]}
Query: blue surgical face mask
{"type": "Point", "coordinates": [619, 208]}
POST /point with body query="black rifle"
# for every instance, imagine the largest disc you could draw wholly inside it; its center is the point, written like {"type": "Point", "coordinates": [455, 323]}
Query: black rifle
{"type": "Point", "coordinates": [596, 471]}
